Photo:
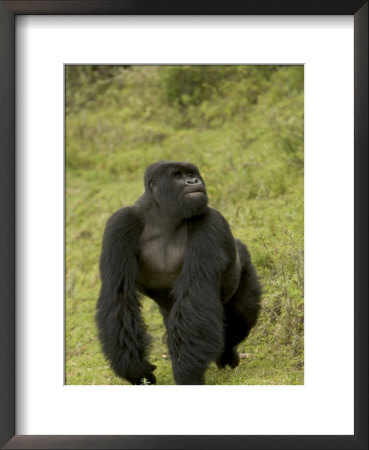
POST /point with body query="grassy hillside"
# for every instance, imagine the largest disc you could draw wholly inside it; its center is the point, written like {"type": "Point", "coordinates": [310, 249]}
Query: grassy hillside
{"type": "Point", "coordinates": [243, 127]}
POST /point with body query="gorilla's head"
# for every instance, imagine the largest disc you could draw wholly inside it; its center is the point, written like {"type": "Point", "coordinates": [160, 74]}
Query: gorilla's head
{"type": "Point", "coordinates": [177, 188]}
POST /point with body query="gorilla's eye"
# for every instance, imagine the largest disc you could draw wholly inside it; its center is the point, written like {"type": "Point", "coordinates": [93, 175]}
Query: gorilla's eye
{"type": "Point", "coordinates": [177, 174]}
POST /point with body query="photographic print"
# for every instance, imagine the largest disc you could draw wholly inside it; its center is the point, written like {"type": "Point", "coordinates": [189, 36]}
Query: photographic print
{"type": "Point", "coordinates": [184, 224]}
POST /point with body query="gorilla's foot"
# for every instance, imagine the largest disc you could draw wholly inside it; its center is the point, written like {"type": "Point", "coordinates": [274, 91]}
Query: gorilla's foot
{"type": "Point", "coordinates": [228, 357]}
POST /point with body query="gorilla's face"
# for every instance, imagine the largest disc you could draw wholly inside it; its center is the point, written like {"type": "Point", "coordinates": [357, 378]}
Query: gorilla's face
{"type": "Point", "coordinates": [178, 188]}
{"type": "Point", "coordinates": [191, 192]}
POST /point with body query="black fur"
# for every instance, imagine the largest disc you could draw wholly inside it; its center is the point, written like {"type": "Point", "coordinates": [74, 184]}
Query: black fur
{"type": "Point", "coordinates": [175, 249]}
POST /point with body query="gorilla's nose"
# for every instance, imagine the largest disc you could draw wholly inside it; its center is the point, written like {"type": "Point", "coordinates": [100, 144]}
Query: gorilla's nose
{"type": "Point", "coordinates": [192, 181]}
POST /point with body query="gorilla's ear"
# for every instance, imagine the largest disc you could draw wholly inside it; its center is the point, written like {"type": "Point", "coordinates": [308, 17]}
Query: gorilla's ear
{"type": "Point", "coordinates": [152, 185]}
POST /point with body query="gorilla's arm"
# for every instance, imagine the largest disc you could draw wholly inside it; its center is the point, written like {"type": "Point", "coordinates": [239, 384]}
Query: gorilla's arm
{"type": "Point", "coordinates": [121, 328]}
{"type": "Point", "coordinates": [196, 321]}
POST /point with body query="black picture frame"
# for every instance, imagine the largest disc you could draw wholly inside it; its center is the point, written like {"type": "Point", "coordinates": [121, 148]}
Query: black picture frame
{"type": "Point", "coordinates": [8, 12]}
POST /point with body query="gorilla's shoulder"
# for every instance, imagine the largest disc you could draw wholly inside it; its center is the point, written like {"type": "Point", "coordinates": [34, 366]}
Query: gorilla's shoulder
{"type": "Point", "coordinates": [216, 218]}
{"type": "Point", "coordinates": [126, 218]}
{"type": "Point", "coordinates": [212, 222]}
{"type": "Point", "coordinates": [215, 214]}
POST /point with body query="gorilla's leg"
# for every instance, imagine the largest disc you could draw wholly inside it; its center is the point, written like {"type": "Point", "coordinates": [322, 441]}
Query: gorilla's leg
{"type": "Point", "coordinates": [241, 311]}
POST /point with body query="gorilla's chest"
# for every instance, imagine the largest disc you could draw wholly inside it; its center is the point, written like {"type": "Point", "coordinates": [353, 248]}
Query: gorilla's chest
{"type": "Point", "coordinates": [161, 257]}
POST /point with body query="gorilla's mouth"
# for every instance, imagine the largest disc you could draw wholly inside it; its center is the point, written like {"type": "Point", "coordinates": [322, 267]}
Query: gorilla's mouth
{"type": "Point", "coordinates": [196, 193]}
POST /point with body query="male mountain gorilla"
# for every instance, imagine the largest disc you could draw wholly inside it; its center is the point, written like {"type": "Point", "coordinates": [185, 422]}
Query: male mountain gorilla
{"type": "Point", "coordinates": [173, 248]}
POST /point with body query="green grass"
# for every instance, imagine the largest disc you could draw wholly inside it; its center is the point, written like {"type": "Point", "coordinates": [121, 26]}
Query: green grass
{"type": "Point", "coordinates": [243, 127]}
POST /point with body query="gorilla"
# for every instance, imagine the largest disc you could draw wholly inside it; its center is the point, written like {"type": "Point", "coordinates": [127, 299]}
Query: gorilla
{"type": "Point", "coordinates": [172, 247]}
